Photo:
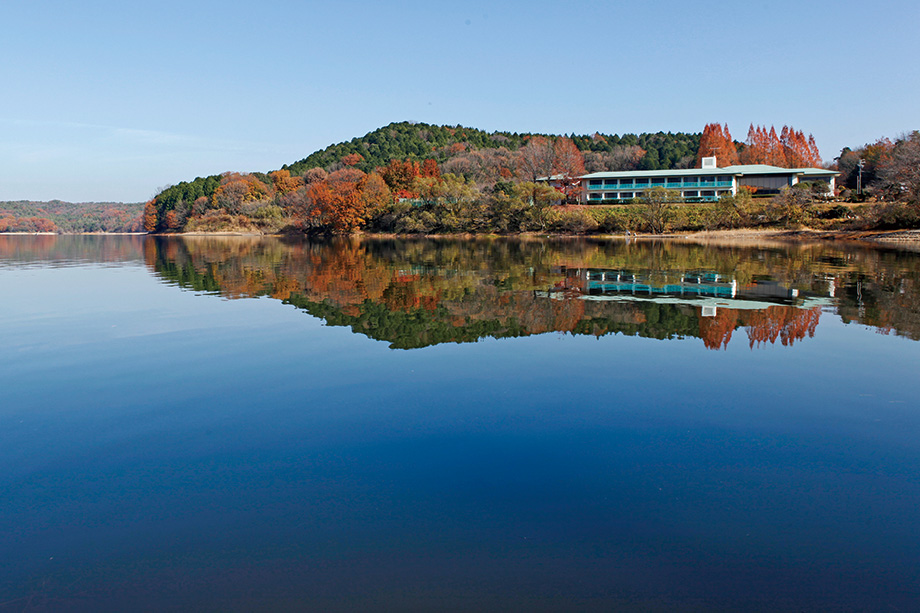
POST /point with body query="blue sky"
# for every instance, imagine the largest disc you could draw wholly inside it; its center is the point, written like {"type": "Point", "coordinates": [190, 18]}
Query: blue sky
{"type": "Point", "coordinates": [113, 100]}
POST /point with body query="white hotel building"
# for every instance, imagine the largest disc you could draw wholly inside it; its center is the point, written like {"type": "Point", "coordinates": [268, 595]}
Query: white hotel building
{"type": "Point", "coordinates": [697, 184]}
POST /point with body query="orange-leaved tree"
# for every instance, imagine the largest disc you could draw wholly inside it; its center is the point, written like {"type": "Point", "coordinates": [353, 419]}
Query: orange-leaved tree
{"type": "Point", "coordinates": [429, 168]}
{"type": "Point", "coordinates": [399, 176]}
{"type": "Point", "coordinates": [337, 202]}
{"type": "Point", "coordinates": [798, 151]}
{"type": "Point", "coordinates": [374, 192]}
{"type": "Point", "coordinates": [235, 189]}
{"type": "Point", "coordinates": [568, 165]}
{"type": "Point", "coordinates": [150, 216]}
{"type": "Point", "coordinates": [789, 149]}
{"type": "Point", "coordinates": [352, 159]}
{"type": "Point", "coordinates": [717, 141]}
{"type": "Point", "coordinates": [283, 182]}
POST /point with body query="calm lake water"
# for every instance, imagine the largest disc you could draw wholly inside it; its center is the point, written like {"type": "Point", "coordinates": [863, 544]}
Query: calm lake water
{"type": "Point", "coordinates": [245, 424]}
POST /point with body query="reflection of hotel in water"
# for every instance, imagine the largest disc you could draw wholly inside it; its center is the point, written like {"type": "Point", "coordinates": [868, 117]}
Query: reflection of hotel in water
{"type": "Point", "coordinates": [708, 290]}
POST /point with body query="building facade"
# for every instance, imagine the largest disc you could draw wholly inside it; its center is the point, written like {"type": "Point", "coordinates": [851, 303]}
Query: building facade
{"type": "Point", "coordinates": [698, 184]}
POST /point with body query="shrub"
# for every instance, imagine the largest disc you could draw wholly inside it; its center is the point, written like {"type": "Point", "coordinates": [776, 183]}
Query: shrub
{"type": "Point", "coordinates": [218, 221]}
{"type": "Point", "coordinates": [893, 216]}
{"type": "Point", "coordinates": [577, 221]}
{"type": "Point", "coordinates": [835, 212]}
{"type": "Point", "coordinates": [616, 219]}
{"type": "Point", "coordinates": [690, 218]}
{"type": "Point", "coordinates": [793, 206]}
{"type": "Point", "coordinates": [268, 211]}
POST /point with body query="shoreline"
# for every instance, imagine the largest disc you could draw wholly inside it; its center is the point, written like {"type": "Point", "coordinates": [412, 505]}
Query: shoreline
{"type": "Point", "coordinates": [874, 238]}
{"type": "Point", "coordinates": [735, 236]}
{"type": "Point", "coordinates": [740, 235]}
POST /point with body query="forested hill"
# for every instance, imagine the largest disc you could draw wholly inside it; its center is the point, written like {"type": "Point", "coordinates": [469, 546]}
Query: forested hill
{"type": "Point", "coordinates": [354, 185]}
{"type": "Point", "coordinates": [391, 159]}
{"type": "Point", "coordinates": [420, 141]}
{"type": "Point", "coordinates": [59, 216]}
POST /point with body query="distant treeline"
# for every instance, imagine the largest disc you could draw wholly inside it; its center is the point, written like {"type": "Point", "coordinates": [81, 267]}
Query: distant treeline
{"type": "Point", "coordinates": [58, 216]}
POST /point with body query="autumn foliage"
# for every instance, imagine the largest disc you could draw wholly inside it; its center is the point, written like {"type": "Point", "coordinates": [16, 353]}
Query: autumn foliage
{"type": "Point", "coordinates": [717, 141]}
{"type": "Point", "coordinates": [568, 165]}
{"type": "Point", "coordinates": [717, 331]}
{"type": "Point", "coordinates": [788, 149]}
{"type": "Point", "coordinates": [236, 189]}
{"type": "Point", "coordinates": [352, 159]}
{"type": "Point", "coordinates": [784, 323]}
{"type": "Point", "coordinates": [438, 179]}
{"type": "Point", "coordinates": [337, 205]}
{"type": "Point", "coordinates": [283, 182]}
{"type": "Point", "coordinates": [341, 202]}
{"type": "Point", "coordinates": [9, 223]}
{"type": "Point", "coordinates": [399, 176]}
{"type": "Point", "coordinates": [530, 287]}
{"type": "Point", "coordinates": [150, 216]}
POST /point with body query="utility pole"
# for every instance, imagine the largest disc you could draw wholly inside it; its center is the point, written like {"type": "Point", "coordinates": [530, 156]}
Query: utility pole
{"type": "Point", "coordinates": [859, 178]}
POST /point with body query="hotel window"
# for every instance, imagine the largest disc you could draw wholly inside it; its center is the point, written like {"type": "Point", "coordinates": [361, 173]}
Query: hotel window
{"type": "Point", "coordinates": [708, 179]}
{"type": "Point", "coordinates": [673, 180]}
{"type": "Point", "coordinates": [594, 196]}
{"type": "Point", "coordinates": [692, 194]}
{"type": "Point", "coordinates": [608, 182]}
{"type": "Point", "coordinates": [610, 196]}
{"type": "Point", "coordinates": [627, 182]}
{"type": "Point", "coordinates": [626, 195]}
{"type": "Point", "coordinates": [707, 193]}
{"type": "Point", "coordinates": [691, 179]}
{"type": "Point", "coordinates": [594, 183]}
{"type": "Point", "coordinates": [641, 182]}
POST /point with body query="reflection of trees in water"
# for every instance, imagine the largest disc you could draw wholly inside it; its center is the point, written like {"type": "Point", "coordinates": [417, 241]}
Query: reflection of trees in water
{"type": "Point", "coordinates": [418, 292]}
{"type": "Point", "coordinates": [887, 302]}
{"type": "Point", "coordinates": [788, 324]}
{"type": "Point", "coordinates": [717, 331]}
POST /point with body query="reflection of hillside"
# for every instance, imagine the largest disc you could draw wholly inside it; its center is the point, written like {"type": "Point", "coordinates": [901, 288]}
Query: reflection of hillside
{"type": "Point", "coordinates": [49, 249]}
{"type": "Point", "coordinates": [414, 293]}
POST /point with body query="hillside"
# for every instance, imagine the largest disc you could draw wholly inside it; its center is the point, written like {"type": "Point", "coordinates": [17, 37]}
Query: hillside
{"type": "Point", "coordinates": [357, 184]}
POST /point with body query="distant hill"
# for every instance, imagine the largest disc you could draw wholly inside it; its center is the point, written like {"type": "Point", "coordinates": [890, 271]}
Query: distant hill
{"type": "Point", "coordinates": [59, 216]}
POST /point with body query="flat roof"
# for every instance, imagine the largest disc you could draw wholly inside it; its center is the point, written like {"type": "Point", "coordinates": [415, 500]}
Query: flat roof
{"type": "Point", "coordinates": [745, 169]}
{"type": "Point", "coordinates": [764, 169]}
{"type": "Point", "coordinates": [818, 172]}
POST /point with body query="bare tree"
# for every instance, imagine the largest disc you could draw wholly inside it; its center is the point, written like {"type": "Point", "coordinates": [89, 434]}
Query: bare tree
{"type": "Point", "coordinates": [658, 208]}
{"type": "Point", "coordinates": [899, 176]}
{"type": "Point", "coordinates": [620, 158]}
{"type": "Point", "coordinates": [314, 175]}
{"type": "Point", "coordinates": [536, 158]}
